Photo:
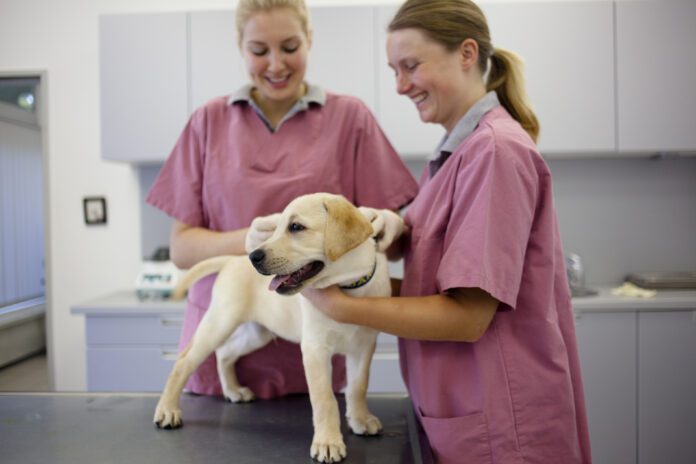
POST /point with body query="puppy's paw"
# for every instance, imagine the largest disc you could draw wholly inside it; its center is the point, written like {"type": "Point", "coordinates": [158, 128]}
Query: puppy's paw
{"type": "Point", "coordinates": [366, 424]}
{"type": "Point", "coordinates": [167, 417]}
{"type": "Point", "coordinates": [239, 395]}
{"type": "Point", "coordinates": [328, 450]}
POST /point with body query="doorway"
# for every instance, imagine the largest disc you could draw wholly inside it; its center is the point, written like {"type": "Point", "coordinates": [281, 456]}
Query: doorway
{"type": "Point", "coordinates": [22, 227]}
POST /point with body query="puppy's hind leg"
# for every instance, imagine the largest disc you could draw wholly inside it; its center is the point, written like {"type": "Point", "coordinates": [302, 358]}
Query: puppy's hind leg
{"type": "Point", "coordinates": [248, 337]}
{"type": "Point", "coordinates": [214, 328]}
{"type": "Point", "coordinates": [360, 419]}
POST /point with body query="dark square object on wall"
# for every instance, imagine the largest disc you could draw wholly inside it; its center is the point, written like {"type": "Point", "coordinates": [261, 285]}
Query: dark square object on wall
{"type": "Point", "coordinates": [95, 210]}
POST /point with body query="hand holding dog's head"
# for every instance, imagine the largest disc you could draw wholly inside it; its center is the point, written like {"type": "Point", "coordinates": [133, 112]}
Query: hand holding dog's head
{"type": "Point", "coordinates": [386, 224]}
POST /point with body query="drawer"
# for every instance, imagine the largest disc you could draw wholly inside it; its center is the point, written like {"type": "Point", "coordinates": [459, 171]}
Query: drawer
{"type": "Point", "coordinates": [129, 370]}
{"type": "Point", "coordinates": [126, 330]}
{"type": "Point", "coordinates": [385, 374]}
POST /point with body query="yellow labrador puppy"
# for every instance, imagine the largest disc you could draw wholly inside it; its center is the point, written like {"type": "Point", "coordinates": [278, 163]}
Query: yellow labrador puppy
{"type": "Point", "coordinates": [319, 240]}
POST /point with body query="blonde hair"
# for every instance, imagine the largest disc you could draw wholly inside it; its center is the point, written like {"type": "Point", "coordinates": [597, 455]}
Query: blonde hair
{"type": "Point", "coordinates": [449, 23]}
{"type": "Point", "coordinates": [247, 8]}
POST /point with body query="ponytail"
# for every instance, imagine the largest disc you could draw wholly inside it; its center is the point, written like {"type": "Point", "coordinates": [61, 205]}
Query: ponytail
{"type": "Point", "coordinates": [505, 77]}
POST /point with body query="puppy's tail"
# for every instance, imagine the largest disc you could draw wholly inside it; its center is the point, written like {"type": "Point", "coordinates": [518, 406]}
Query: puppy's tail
{"type": "Point", "coordinates": [198, 271]}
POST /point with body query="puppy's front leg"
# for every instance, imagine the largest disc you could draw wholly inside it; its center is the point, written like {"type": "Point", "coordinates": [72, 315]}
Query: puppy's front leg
{"type": "Point", "coordinates": [327, 443]}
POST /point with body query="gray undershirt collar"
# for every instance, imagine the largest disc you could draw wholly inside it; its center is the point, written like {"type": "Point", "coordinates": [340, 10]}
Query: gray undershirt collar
{"type": "Point", "coordinates": [315, 94]}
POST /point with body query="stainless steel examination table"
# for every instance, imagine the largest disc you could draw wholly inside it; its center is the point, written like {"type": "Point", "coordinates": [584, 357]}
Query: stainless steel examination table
{"type": "Point", "coordinates": [117, 428]}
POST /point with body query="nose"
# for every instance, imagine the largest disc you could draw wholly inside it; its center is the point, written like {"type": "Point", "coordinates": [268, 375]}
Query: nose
{"type": "Point", "coordinates": [403, 85]}
{"type": "Point", "coordinates": [275, 61]}
{"type": "Point", "coordinates": [257, 257]}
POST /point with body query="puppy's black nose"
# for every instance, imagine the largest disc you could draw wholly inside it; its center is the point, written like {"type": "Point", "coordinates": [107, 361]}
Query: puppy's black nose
{"type": "Point", "coordinates": [257, 257]}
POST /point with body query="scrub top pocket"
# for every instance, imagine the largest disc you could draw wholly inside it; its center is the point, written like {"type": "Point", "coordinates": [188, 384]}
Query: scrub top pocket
{"type": "Point", "coordinates": [459, 440]}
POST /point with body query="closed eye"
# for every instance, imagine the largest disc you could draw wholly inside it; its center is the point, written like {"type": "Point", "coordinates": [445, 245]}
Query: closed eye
{"type": "Point", "coordinates": [296, 227]}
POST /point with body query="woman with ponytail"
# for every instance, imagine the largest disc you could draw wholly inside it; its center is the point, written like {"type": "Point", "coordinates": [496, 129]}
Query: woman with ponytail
{"type": "Point", "coordinates": [487, 339]}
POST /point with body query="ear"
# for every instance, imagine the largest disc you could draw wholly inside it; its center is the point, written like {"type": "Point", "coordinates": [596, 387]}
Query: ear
{"type": "Point", "coordinates": [469, 52]}
{"type": "Point", "coordinates": [346, 228]}
{"type": "Point", "coordinates": [310, 38]}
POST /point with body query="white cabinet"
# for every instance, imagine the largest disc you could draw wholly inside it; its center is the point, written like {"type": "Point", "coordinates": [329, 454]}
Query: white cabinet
{"type": "Point", "coordinates": [656, 72]}
{"type": "Point", "coordinates": [602, 75]}
{"type": "Point", "coordinates": [342, 59]}
{"type": "Point", "coordinates": [568, 52]}
{"type": "Point", "coordinates": [217, 67]}
{"type": "Point", "coordinates": [144, 102]}
{"type": "Point", "coordinates": [396, 113]}
{"type": "Point", "coordinates": [607, 345]}
{"type": "Point", "coordinates": [667, 387]}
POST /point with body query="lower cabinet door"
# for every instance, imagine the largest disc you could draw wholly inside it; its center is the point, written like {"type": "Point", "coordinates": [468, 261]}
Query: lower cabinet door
{"type": "Point", "coordinates": [126, 369]}
{"type": "Point", "coordinates": [667, 387]}
{"type": "Point", "coordinates": [385, 374]}
{"type": "Point", "coordinates": [607, 345]}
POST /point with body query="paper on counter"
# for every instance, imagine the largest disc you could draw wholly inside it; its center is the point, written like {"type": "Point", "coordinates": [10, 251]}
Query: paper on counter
{"type": "Point", "coordinates": [631, 290]}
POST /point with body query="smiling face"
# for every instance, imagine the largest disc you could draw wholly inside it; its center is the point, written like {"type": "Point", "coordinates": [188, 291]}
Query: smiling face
{"type": "Point", "coordinates": [436, 80]}
{"type": "Point", "coordinates": [275, 47]}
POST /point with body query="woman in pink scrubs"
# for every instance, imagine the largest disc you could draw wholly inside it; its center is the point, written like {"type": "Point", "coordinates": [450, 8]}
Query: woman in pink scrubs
{"type": "Point", "coordinates": [249, 155]}
{"type": "Point", "coordinates": [487, 340]}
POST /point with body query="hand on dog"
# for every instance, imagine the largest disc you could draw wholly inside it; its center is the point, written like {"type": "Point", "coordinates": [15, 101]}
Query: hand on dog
{"type": "Point", "coordinates": [389, 231]}
{"type": "Point", "coordinates": [260, 230]}
{"type": "Point", "coordinates": [330, 301]}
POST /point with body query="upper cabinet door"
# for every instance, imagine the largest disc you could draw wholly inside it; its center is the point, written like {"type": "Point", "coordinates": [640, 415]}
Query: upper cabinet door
{"type": "Point", "coordinates": [398, 116]}
{"type": "Point", "coordinates": [144, 98]}
{"type": "Point", "coordinates": [342, 56]}
{"type": "Point", "coordinates": [568, 52]}
{"type": "Point", "coordinates": [217, 67]}
{"type": "Point", "coordinates": [656, 71]}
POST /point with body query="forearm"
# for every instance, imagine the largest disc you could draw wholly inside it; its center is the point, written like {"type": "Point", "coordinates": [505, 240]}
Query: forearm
{"type": "Point", "coordinates": [437, 317]}
{"type": "Point", "coordinates": [190, 245]}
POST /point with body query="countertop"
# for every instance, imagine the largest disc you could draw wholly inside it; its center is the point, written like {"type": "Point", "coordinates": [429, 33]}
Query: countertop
{"type": "Point", "coordinates": [126, 301]}
{"type": "Point", "coordinates": [87, 428]}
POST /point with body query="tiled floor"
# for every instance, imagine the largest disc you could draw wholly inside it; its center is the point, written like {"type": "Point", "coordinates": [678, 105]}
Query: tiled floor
{"type": "Point", "coordinates": [29, 375]}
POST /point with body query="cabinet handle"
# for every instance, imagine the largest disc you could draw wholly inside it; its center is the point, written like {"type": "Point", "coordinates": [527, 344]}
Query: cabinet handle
{"type": "Point", "coordinates": [173, 322]}
{"type": "Point", "coordinates": [170, 355]}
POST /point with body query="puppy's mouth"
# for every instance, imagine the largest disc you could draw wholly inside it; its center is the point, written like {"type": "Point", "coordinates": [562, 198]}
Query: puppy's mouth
{"type": "Point", "coordinates": [292, 283]}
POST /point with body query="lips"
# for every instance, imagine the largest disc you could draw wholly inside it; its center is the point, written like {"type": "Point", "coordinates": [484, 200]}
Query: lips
{"type": "Point", "coordinates": [292, 282]}
{"type": "Point", "coordinates": [278, 82]}
{"type": "Point", "coordinates": [419, 98]}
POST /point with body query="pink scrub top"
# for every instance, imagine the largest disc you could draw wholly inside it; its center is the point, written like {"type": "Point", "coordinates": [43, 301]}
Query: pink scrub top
{"type": "Point", "coordinates": [228, 167]}
{"type": "Point", "coordinates": [486, 219]}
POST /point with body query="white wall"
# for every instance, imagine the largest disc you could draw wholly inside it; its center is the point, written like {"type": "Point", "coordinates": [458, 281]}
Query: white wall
{"type": "Point", "coordinates": [83, 262]}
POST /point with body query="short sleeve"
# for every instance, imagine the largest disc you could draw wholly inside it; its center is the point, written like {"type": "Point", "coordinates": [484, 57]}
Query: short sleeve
{"type": "Point", "coordinates": [493, 211]}
{"type": "Point", "coordinates": [177, 190]}
{"type": "Point", "coordinates": [382, 180]}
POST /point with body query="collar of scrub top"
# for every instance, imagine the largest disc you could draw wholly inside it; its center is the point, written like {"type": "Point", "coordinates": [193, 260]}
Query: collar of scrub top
{"type": "Point", "coordinates": [315, 94]}
{"type": "Point", "coordinates": [462, 130]}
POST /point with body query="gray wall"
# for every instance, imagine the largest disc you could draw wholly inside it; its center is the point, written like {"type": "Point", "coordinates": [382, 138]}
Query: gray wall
{"type": "Point", "coordinates": [620, 215]}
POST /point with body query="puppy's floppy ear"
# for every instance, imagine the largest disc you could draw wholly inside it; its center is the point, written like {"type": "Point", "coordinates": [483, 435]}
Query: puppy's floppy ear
{"type": "Point", "coordinates": [346, 228]}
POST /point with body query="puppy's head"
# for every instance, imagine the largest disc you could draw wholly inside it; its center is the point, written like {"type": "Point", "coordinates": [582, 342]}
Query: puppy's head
{"type": "Point", "coordinates": [313, 232]}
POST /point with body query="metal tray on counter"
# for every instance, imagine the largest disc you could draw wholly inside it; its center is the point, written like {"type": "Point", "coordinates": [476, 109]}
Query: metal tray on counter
{"type": "Point", "coordinates": [658, 280]}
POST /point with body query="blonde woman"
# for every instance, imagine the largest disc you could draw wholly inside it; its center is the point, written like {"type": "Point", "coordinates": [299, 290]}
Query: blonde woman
{"type": "Point", "coordinates": [487, 340]}
{"type": "Point", "coordinates": [249, 155]}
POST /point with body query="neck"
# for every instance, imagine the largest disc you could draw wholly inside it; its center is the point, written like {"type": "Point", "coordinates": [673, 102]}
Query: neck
{"type": "Point", "coordinates": [274, 110]}
{"type": "Point", "coordinates": [467, 102]}
{"type": "Point", "coordinates": [362, 280]}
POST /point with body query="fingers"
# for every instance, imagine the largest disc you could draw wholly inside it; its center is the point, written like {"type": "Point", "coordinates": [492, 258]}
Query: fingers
{"type": "Point", "coordinates": [259, 231]}
{"type": "Point", "coordinates": [375, 218]}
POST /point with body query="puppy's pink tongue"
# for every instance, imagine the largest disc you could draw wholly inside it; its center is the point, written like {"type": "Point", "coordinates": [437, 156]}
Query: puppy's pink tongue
{"type": "Point", "coordinates": [277, 281]}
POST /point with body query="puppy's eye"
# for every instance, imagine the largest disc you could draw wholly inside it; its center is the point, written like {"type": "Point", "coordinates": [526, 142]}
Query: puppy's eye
{"type": "Point", "coordinates": [295, 227]}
